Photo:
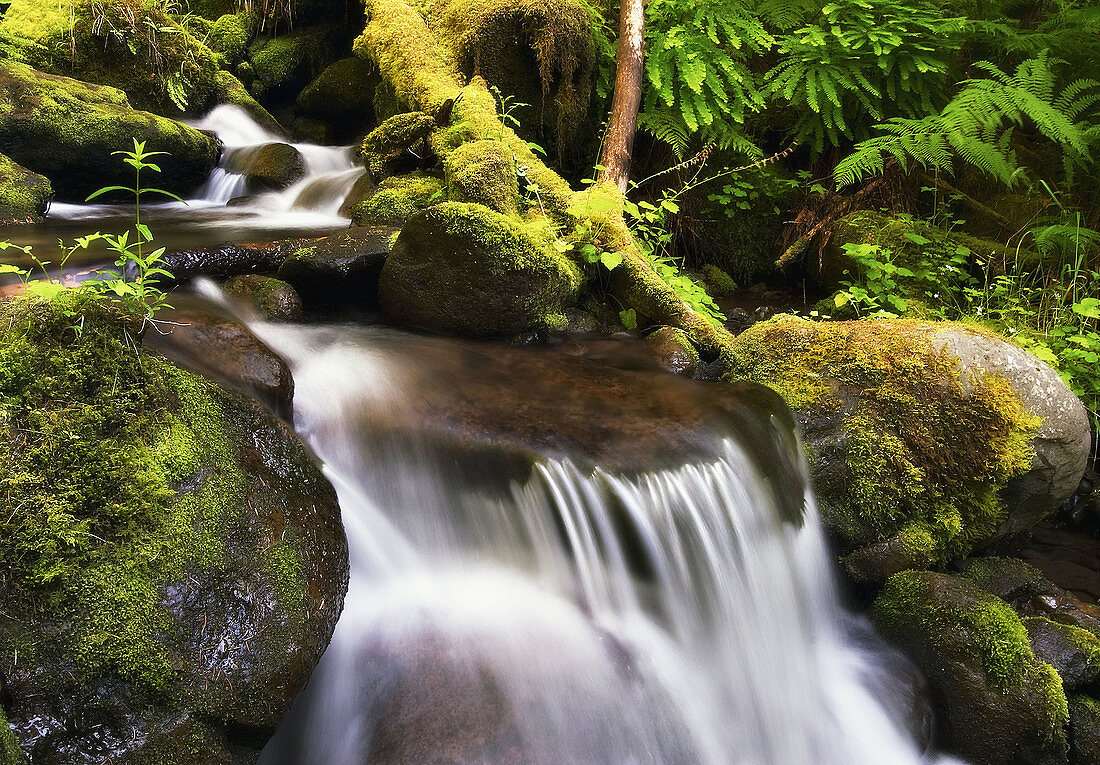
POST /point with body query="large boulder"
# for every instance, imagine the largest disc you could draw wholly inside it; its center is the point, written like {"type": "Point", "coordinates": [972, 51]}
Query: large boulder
{"type": "Point", "coordinates": [24, 196]}
{"type": "Point", "coordinates": [996, 703]}
{"type": "Point", "coordinates": [465, 269]}
{"type": "Point", "coordinates": [66, 130]}
{"type": "Point", "coordinates": [343, 95]}
{"type": "Point", "coordinates": [271, 166]}
{"type": "Point", "coordinates": [174, 562]}
{"type": "Point", "coordinates": [926, 440]}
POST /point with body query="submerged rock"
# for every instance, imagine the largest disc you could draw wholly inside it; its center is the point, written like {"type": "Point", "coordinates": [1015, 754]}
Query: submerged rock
{"type": "Point", "coordinates": [226, 350]}
{"type": "Point", "coordinates": [24, 196]}
{"type": "Point", "coordinates": [66, 130]}
{"type": "Point", "coordinates": [174, 560]}
{"type": "Point", "coordinates": [997, 703]}
{"type": "Point", "coordinates": [926, 439]}
{"type": "Point", "coordinates": [275, 300]}
{"type": "Point", "coordinates": [467, 270]}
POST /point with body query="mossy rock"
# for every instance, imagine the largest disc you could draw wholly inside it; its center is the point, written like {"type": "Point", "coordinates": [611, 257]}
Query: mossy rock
{"type": "Point", "coordinates": [1074, 652]}
{"type": "Point", "coordinates": [174, 560]}
{"type": "Point", "coordinates": [24, 196]}
{"type": "Point", "coordinates": [10, 754]}
{"type": "Point", "coordinates": [166, 70]}
{"type": "Point", "coordinates": [925, 439]}
{"type": "Point", "coordinates": [273, 299]}
{"type": "Point", "coordinates": [283, 65]}
{"type": "Point", "coordinates": [342, 95]}
{"type": "Point", "coordinates": [484, 172]}
{"type": "Point", "coordinates": [997, 704]}
{"type": "Point", "coordinates": [674, 351]}
{"type": "Point", "coordinates": [66, 130]}
{"type": "Point", "coordinates": [540, 52]}
{"type": "Point", "coordinates": [385, 146]}
{"type": "Point", "coordinates": [718, 282]}
{"type": "Point", "coordinates": [230, 36]}
{"type": "Point", "coordinates": [1084, 730]}
{"type": "Point", "coordinates": [272, 166]}
{"type": "Point", "coordinates": [339, 271]}
{"type": "Point", "coordinates": [231, 91]}
{"type": "Point", "coordinates": [398, 198]}
{"type": "Point", "coordinates": [464, 269]}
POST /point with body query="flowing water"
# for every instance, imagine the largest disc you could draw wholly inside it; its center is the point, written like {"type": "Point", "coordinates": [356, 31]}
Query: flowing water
{"type": "Point", "coordinates": [577, 614]}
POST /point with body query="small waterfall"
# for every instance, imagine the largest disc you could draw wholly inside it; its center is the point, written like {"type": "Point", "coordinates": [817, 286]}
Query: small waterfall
{"type": "Point", "coordinates": [222, 186]}
{"type": "Point", "coordinates": [579, 615]}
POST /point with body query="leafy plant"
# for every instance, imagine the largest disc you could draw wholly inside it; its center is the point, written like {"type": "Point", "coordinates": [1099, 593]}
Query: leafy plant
{"type": "Point", "coordinates": [134, 287]}
{"type": "Point", "coordinates": [978, 124]}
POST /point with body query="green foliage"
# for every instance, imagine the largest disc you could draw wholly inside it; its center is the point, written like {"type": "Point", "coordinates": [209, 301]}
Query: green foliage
{"type": "Point", "coordinates": [136, 294]}
{"type": "Point", "coordinates": [866, 58]}
{"type": "Point", "coordinates": [977, 125]}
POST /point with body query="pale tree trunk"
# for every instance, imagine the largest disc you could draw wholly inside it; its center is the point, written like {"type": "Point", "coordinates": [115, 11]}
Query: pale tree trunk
{"type": "Point", "coordinates": [627, 99]}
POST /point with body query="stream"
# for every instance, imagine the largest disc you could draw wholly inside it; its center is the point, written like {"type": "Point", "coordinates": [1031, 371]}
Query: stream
{"type": "Point", "coordinates": [540, 574]}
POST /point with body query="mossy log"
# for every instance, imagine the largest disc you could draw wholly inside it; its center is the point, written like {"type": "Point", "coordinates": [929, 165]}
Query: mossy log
{"type": "Point", "coordinates": [414, 61]}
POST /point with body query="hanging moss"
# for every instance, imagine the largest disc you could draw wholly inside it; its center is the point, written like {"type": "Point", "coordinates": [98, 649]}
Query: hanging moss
{"type": "Point", "coordinates": [920, 452]}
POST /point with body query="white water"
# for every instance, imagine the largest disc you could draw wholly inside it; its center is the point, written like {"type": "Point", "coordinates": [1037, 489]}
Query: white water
{"type": "Point", "coordinates": [524, 605]}
{"type": "Point", "coordinates": [313, 202]}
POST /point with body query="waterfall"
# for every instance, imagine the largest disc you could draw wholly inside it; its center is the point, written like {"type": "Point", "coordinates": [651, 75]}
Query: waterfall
{"type": "Point", "coordinates": [578, 614]}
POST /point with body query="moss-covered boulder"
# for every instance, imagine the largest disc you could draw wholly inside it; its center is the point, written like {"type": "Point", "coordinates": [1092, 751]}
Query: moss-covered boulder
{"type": "Point", "coordinates": [674, 351]}
{"type": "Point", "coordinates": [464, 269]}
{"type": "Point", "coordinates": [396, 199]}
{"type": "Point", "coordinates": [343, 95]}
{"type": "Point", "coordinates": [230, 35]}
{"type": "Point", "coordinates": [272, 166]}
{"type": "Point", "coordinates": [386, 150]}
{"type": "Point", "coordinates": [230, 90]}
{"type": "Point", "coordinates": [1072, 651]}
{"type": "Point", "coordinates": [484, 172]}
{"type": "Point", "coordinates": [925, 439]}
{"type": "Point", "coordinates": [174, 562]}
{"type": "Point", "coordinates": [339, 271]}
{"type": "Point", "coordinates": [24, 196]}
{"type": "Point", "coordinates": [133, 45]}
{"type": "Point", "coordinates": [273, 299]}
{"type": "Point", "coordinates": [1084, 730]}
{"type": "Point", "coordinates": [66, 130]}
{"type": "Point", "coordinates": [283, 65]}
{"type": "Point", "coordinates": [996, 703]}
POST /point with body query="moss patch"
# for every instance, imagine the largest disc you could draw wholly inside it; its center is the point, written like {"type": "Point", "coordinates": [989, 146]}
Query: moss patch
{"type": "Point", "coordinates": [483, 172]}
{"type": "Point", "coordinates": [924, 451]}
{"type": "Point", "coordinates": [397, 198]}
{"type": "Point", "coordinates": [10, 754]}
{"type": "Point", "coordinates": [24, 196]}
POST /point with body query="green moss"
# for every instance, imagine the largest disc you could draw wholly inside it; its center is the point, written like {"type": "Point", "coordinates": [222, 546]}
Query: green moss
{"type": "Point", "coordinates": [393, 137]}
{"type": "Point", "coordinates": [230, 35]}
{"type": "Point", "coordinates": [987, 626]}
{"type": "Point", "coordinates": [924, 448]}
{"type": "Point", "coordinates": [122, 476]}
{"type": "Point", "coordinates": [397, 198]}
{"type": "Point", "coordinates": [23, 195]}
{"type": "Point", "coordinates": [292, 59]}
{"type": "Point", "coordinates": [483, 172]}
{"type": "Point", "coordinates": [10, 753]}
{"type": "Point", "coordinates": [719, 283]}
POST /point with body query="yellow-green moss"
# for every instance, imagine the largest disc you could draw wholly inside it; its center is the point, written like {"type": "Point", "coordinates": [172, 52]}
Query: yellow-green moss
{"type": "Point", "coordinates": [483, 172]}
{"type": "Point", "coordinates": [389, 140]}
{"type": "Point", "coordinates": [719, 283]}
{"type": "Point", "coordinates": [230, 35]}
{"type": "Point", "coordinates": [293, 58]}
{"type": "Point", "coordinates": [23, 195]}
{"type": "Point", "coordinates": [924, 448]}
{"type": "Point", "coordinates": [94, 516]}
{"type": "Point", "coordinates": [397, 198]}
{"type": "Point", "coordinates": [10, 753]}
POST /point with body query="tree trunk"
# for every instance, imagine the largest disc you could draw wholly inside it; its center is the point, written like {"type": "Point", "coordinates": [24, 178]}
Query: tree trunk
{"type": "Point", "coordinates": [627, 99]}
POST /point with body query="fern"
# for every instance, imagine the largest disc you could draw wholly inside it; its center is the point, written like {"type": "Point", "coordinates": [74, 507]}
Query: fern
{"type": "Point", "coordinates": [978, 124]}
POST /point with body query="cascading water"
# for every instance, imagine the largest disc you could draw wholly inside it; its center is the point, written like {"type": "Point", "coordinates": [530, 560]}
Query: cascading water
{"type": "Point", "coordinates": [579, 615]}
{"type": "Point", "coordinates": [310, 205]}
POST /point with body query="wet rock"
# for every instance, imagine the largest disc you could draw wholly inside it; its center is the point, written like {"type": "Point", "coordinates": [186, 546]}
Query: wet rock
{"type": "Point", "coordinates": [927, 439]}
{"type": "Point", "coordinates": [1084, 730]}
{"type": "Point", "coordinates": [226, 350]}
{"type": "Point", "coordinates": [674, 351]}
{"type": "Point", "coordinates": [275, 300]}
{"type": "Point", "coordinates": [1072, 651]}
{"type": "Point", "coordinates": [997, 704]}
{"type": "Point", "coordinates": [66, 130]}
{"type": "Point", "coordinates": [24, 196]}
{"type": "Point", "coordinates": [342, 95]}
{"type": "Point", "coordinates": [341, 270]}
{"type": "Point", "coordinates": [231, 259]}
{"type": "Point", "coordinates": [464, 269]}
{"type": "Point", "coordinates": [272, 166]}
{"type": "Point", "coordinates": [182, 630]}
